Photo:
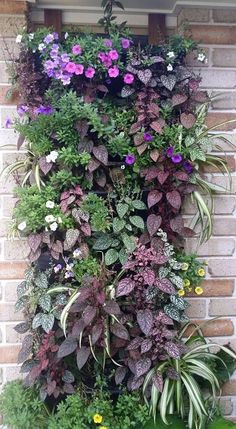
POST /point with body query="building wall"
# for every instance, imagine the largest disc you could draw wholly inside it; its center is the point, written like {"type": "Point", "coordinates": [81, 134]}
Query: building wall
{"type": "Point", "coordinates": [217, 31]}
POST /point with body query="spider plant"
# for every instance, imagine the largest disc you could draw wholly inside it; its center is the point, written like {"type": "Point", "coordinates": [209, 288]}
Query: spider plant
{"type": "Point", "coordinates": [183, 394]}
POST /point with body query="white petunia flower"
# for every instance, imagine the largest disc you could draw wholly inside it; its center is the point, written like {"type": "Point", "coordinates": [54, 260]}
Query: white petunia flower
{"type": "Point", "coordinates": [59, 219]}
{"type": "Point", "coordinates": [19, 38]}
{"type": "Point", "coordinates": [41, 47]}
{"type": "Point", "coordinates": [22, 226]}
{"type": "Point", "coordinates": [31, 36]}
{"type": "Point", "coordinates": [49, 218]}
{"type": "Point", "coordinates": [66, 35]}
{"type": "Point", "coordinates": [50, 204]}
{"type": "Point", "coordinates": [53, 226]}
{"type": "Point", "coordinates": [201, 57]}
{"type": "Point", "coordinates": [52, 156]}
{"type": "Point", "coordinates": [170, 54]}
{"type": "Point", "coordinates": [122, 167]}
{"type": "Point", "coordinates": [169, 67]}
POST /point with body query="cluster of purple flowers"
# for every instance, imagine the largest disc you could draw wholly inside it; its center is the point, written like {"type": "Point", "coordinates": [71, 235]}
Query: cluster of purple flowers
{"type": "Point", "coordinates": [177, 158]}
{"type": "Point", "coordinates": [62, 66]}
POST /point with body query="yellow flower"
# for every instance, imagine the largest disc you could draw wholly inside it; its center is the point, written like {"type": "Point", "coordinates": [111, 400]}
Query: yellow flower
{"type": "Point", "coordinates": [181, 292]}
{"type": "Point", "coordinates": [201, 272]}
{"type": "Point", "coordinates": [186, 282]}
{"type": "Point", "coordinates": [102, 427]}
{"type": "Point", "coordinates": [198, 290]}
{"type": "Point", "coordinates": [185, 266]}
{"type": "Point", "coordinates": [97, 418]}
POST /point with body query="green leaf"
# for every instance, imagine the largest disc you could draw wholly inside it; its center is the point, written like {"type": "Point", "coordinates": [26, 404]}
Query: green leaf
{"type": "Point", "coordinates": [174, 423]}
{"type": "Point", "coordinates": [22, 288]}
{"type": "Point", "coordinates": [221, 423]}
{"type": "Point", "coordinates": [41, 281]}
{"type": "Point", "coordinates": [197, 154]}
{"type": "Point", "coordinates": [137, 221]}
{"type": "Point", "coordinates": [20, 304]}
{"type": "Point", "coordinates": [118, 225]}
{"type": "Point", "coordinates": [45, 302]}
{"type": "Point", "coordinates": [37, 320]}
{"type": "Point", "coordinates": [123, 256]}
{"type": "Point", "coordinates": [111, 256]}
{"type": "Point", "coordinates": [47, 322]}
{"type": "Point", "coordinates": [103, 242]}
{"type": "Point", "coordinates": [139, 205]}
{"type": "Point", "coordinates": [129, 242]}
{"type": "Point", "coordinates": [122, 209]}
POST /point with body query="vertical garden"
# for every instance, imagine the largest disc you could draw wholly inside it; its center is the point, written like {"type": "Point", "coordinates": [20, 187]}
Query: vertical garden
{"type": "Point", "coordinates": [116, 143]}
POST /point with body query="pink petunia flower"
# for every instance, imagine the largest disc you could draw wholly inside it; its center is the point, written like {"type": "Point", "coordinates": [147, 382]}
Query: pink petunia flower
{"type": "Point", "coordinates": [70, 67]}
{"type": "Point", "coordinates": [76, 50]}
{"type": "Point", "coordinates": [113, 55]}
{"type": "Point", "coordinates": [102, 56]}
{"type": "Point", "coordinates": [108, 43]}
{"type": "Point", "coordinates": [113, 71]}
{"type": "Point", "coordinates": [79, 69]}
{"type": "Point", "coordinates": [128, 78]}
{"type": "Point", "coordinates": [90, 72]}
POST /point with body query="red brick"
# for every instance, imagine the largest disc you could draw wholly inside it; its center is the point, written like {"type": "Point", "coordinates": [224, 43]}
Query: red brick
{"type": "Point", "coordinates": [214, 328]}
{"type": "Point", "coordinates": [12, 270]}
{"type": "Point", "coordinates": [217, 287]}
{"type": "Point", "coordinates": [13, 6]}
{"type": "Point", "coordinates": [230, 160]}
{"type": "Point", "coordinates": [13, 100]}
{"type": "Point", "coordinates": [214, 34]}
{"type": "Point", "coordinates": [8, 354]}
{"type": "Point", "coordinates": [216, 118]}
{"type": "Point", "coordinates": [229, 388]}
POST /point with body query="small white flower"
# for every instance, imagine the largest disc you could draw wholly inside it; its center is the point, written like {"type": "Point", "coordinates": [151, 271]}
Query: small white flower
{"type": "Point", "coordinates": [59, 219]}
{"type": "Point", "coordinates": [122, 167]}
{"type": "Point", "coordinates": [19, 38]}
{"type": "Point", "coordinates": [53, 226]}
{"type": "Point", "coordinates": [49, 218]}
{"type": "Point", "coordinates": [69, 266]}
{"type": "Point", "coordinates": [66, 35]}
{"type": "Point", "coordinates": [52, 156]}
{"type": "Point", "coordinates": [201, 57]}
{"type": "Point", "coordinates": [77, 254]}
{"type": "Point", "coordinates": [169, 67]}
{"type": "Point", "coordinates": [41, 47]}
{"type": "Point", "coordinates": [170, 54]}
{"type": "Point", "coordinates": [31, 36]}
{"type": "Point", "coordinates": [22, 226]}
{"type": "Point", "coordinates": [50, 204]}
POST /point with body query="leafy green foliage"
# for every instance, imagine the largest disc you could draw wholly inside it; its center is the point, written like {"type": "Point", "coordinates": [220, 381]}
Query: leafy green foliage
{"type": "Point", "coordinates": [98, 212]}
{"type": "Point", "coordinates": [86, 267]}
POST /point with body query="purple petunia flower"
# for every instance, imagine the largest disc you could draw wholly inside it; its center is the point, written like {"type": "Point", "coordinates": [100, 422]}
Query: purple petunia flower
{"type": "Point", "coordinates": [8, 123]}
{"type": "Point", "coordinates": [125, 43]}
{"type": "Point", "coordinates": [51, 73]}
{"type": "Point", "coordinates": [70, 67]}
{"type": "Point", "coordinates": [65, 58]}
{"type": "Point", "coordinates": [113, 55]}
{"type": "Point", "coordinates": [170, 151]}
{"type": "Point", "coordinates": [44, 110]}
{"type": "Point", "coordinates": [176, 158]}
{"type": "Point", "coordinates": [188, 167]}
{"type": "Point", "coordinates": [79, 69]}
{"type": "Point", "coordinates": [69, 274]}
{"type": "Point", "coordinates": [54, 52]}
{"type": "Point", "coordinates": [55, 35]}
{"type": "Point", "coordinates": [66, 79]}
{"type": "Point", "coordinates": [148, 137]}
{"type": "Point", "coordinates": [76, 50]}
{"type": "Point", "coordinates": [128, 78]}
{"type": "Point", "coordinates": [113, 71]}
{"type": "Point", "coordinates": [48, 39]}
{"type": "Point", "coordinates": [57, 268]}
{"type": "Point", "coordinates": [21, 110]}
{"type": "Point", "coordinates": [90, 72]}
{"type": "Point", "coordinates": [108, 43]}
{"type": "Point", "coordinates": [130, 159]}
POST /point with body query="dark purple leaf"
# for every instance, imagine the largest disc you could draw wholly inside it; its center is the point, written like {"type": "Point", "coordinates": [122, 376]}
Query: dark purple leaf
{"type": "Point", "coordinates": [135, 128]}
{"type": "Point", "coordinates": [168, 81]}
{"type": "Point", "coordinates": [93, 165]}
{"type": "Point", "coordinates": [51, 386]}
{"type": "Point", "coordinates": [120, 374]}
{"type": "Point", "coordinates": [154, 108]}
{"type": "Point", "coordinates": [178, 99]}
{"type": "Point", "coordinates": [149, 277]}
{"type": "Point", "coordinates": [180, 175]}
{"type": "Point", "coordinates": [34, 256]}
{"type": "Point", "coordinates": [78, 328]}
{"type": "Point", "coordinates": [26, 348]}
{"type": "Point", "coordinates": [125, 287]}
{"type": "Point", "coordinates": [82, 127]}
{"type": "Point", "coordinates": [101, 179]}
{"type": "Point", "coordinates": [34, 241]}
{"type": "Point", "coordinates": [44, 166]}
{"type": "Point", "coordinates": [97, 331]}
{"type": "Point", "coordinates": [136, 383]}
{"type": "Point", "coordinates": [157, 380]}
{"type": "Point", "coordinates": [100, 152]}
{"type": "Point", "coordinates": [173, 350]}
{"type": "Point", "coordinates": [188, 232]}
{"type": "Point", "coordinates": [68, 388]}
{"type": "Point", "coordinates": [127, 91]}
{"type": "Point", "coordinates": [72, 236]}
{"type": "Point", "coordinates": [57, 246]}
{"type": "Point", "coordinates": [143, 366]}
{"type": "Point", "coordinates": [153, 223]}
{"type": "Point", "coordinates": [142, 148]}
{"type": "Point", "coordinates": [162, 176]}
{"type": "Point", "coordinates": [165, 286]}
{"type": "Point", "coordinates": [158, 125]}
{"type": "Point", "coordinates": [174, 199]}
{"type": "Point", "coordinates": [22, 327]}
{"type": "Point", "coordinates": [68, 346]}
{"type": "Point", "coordinates": [154, 197]}
{"type": "Point", "coordinates": [55, 255]}
{"type": "Point", "coordinates": [144, 76]}
{"type": "Point", "coordinates": [102, 88]}
{"type": "Point", "coordinates": [154, 155]}
{"type": "Point", "coordinates": [135, 343]}
{"type": "Point", "coordinates": [89, 314]}
{"type": "Point", "coordinates": [138, 139]}
{"type": "Point", "coordinates": [187, 120]}
{"type": "Point", "coordinates": [86, 229]}
{"type": "Point", "coordinates": [111, 307]}
{"type": "Point", "coordinates": [82, 356]}
{"type": "Point", "coordinates": [146, 346]}
{"type": "Point", "coordinates": [119, 331]}
{"type": "Point", "coordinates": [177, 224]}
{"type": "Point", "coordinates": [152, 173]}
{"type": "Point", "coordinates": [145, 320]}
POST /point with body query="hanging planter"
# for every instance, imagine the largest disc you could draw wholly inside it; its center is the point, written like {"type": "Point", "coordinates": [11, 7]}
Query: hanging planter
{"type": "Point", "coordinates": [115, 141]}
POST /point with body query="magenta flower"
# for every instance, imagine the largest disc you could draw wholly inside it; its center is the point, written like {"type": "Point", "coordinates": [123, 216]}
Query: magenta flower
{"type": "Point", "coordinates": [130, 159]}
{"type": "Point", "coordinates": [79, 69]}
{"type": "Point", "coordinates": [76, 50]}
{"type": "Point", "coordinates": [90, 72]}
{"type": "Point", "coordinates": [125, 43]}
{"type": "Point", "coordinates": [70, 67]}
{"type": "Point", "coordinates": [113, 55]}
{"type": "Point", "coordinates": [102, 56]}
{"type": "Point", "coordinates": [128, 78]}
{"type": "Point", "coordinates": [108, 43]}
{"type": "Point", "coordinates": [8, 123]}
{"type": "Point", "coordinates": [148, 137]}
{"type": "Point", "coordinates": [113, 71]}
{"type": "Point", "coordinates": [170, 151]}
{"type": "Point", "coordinates": [177, 158]}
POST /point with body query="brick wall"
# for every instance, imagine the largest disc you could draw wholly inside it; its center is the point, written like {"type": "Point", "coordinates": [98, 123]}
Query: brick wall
{"type": "Point", "coordinates": [217, 32]}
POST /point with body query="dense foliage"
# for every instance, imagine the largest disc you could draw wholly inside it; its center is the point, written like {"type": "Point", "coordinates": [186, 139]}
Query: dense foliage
{"type": "Point", "coordinates": [115, 142]}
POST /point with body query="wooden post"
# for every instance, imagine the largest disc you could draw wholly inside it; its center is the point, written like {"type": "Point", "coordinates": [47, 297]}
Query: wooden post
{"type": "Point", "coordinates": [156, 28]}
{"type": "Point", "coordinates": [53, 18]}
